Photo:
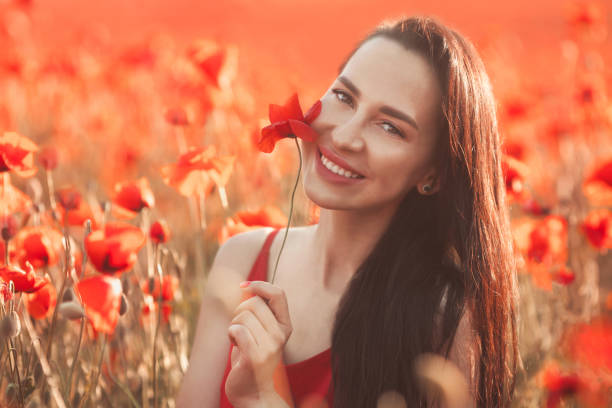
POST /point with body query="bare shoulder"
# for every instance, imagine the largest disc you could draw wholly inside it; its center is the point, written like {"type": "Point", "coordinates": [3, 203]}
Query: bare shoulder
{"type": "Point", "coordinates": [233, 262]}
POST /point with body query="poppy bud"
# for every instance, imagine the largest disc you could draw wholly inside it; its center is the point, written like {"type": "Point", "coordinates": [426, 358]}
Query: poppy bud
{"type": "Point", "coordinates": [71, 310]}
{"type": "Point", "coordinates": [123, 307]}
{"type": "Point", "coordinates": [10, 326]}
{"type": "Point", "coordinates": [9, 227]}
{"type": "Point", "coordinates": [68, 295]}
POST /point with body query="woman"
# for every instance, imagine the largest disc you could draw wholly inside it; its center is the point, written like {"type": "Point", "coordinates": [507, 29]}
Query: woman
{"type": "Point", "coordinates": [412, 253]}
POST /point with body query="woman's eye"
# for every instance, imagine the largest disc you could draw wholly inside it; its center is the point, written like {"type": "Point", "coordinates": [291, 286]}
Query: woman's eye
{"type": "Point", "coordinates": [393, 129]}
{"type": "Point", "coordinates": [343, 96]}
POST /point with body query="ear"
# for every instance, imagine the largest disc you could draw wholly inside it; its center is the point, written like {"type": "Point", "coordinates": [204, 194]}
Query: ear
{"type": "Point", "coordinates": [430, 179]}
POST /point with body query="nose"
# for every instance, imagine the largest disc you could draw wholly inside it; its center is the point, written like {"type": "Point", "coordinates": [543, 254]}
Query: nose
{"type": "Point", "coordinates": [347, 135]}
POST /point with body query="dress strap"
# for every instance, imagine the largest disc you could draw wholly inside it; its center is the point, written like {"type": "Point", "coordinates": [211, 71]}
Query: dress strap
{"type": "Point", "coordinates": [260, 267]}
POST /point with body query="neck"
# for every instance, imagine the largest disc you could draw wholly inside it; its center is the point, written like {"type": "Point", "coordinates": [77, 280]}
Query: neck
{"type": "Point", "coordinates": [343, 239]}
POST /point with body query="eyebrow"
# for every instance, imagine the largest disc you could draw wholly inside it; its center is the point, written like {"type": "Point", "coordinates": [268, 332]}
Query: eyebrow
{"type": "Point", "coordinates": [388, 110]}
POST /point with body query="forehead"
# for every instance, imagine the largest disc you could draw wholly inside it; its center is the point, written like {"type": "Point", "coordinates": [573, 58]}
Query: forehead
{"type": "Point", "coordinates": [386, 72]}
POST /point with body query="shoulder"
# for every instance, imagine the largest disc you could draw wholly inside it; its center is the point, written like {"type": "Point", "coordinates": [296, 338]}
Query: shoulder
{"type": "Point", "coordinates": [232, 264]}
{"type": "Point", "coordinates": [240, 251]}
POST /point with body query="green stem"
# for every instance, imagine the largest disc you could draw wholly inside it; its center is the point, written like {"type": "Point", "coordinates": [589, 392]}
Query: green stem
{"type": "Point", "coordinates": [76, 357]}
{"type": "Point", "coordinates": [290, 209]}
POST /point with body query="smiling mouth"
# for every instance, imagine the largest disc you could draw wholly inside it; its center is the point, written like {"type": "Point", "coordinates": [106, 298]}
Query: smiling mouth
{"type": "Point", "coordinates": [334, 168]}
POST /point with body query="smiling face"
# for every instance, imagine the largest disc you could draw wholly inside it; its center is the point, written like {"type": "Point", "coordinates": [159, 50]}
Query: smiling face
{"type": "Point", "coordinates": [378, 119]}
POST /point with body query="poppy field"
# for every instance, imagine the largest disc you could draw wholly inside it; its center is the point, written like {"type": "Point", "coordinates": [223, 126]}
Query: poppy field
{"type": "Point", "coordinates": [124, 168]}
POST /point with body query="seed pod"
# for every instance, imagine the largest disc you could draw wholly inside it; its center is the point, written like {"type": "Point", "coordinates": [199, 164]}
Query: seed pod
{"type": "Point", "coordinates": [71, 310]}
{"type": "Point", "coordinates": [68, 295]}
{"type": "Point", "coordinates": [124, 305]}
{"type": "Point", "coordinates": [151, 284]}
{"type": "Point", "coordinates": [10, 326]}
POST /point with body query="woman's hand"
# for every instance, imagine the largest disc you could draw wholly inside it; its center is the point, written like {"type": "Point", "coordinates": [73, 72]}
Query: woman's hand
{"type": "Point", "coordinates": [260, 329]}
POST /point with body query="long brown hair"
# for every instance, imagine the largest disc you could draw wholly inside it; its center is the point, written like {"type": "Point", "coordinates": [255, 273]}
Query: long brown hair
{"type": "Point", "coordinates": [455, 244]}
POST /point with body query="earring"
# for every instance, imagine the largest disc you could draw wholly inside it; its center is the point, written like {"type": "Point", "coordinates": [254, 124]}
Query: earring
{"type": "Point", "coordinates": [426, 188]}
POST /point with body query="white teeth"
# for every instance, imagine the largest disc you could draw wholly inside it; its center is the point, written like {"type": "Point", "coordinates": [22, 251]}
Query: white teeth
{"type": "Point", "coordinates": [334, 168]}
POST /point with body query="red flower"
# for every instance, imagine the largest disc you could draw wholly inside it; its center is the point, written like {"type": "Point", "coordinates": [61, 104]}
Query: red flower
{"type": "Point", "coordinates": [69, 198]}
{"type": "Point", "coordinates": [268, 216]}
{"type": "Point", "coordinates": [24, 280]}
{"type": "Point", "coordinates": [170, 284]}
{"type": "Point", "coordinates": [48, 158]}
{"type": "Point", "coordinates": [209, 65]}
{"type": "Point", "coordinates": [515, 173]}
{"type": "Point", "coordinates": [590, 345]}
{"type": "Point", "coordinates": [197, 171]}
{"type": "Point", "coordinates": [597, 186]}
{"type": "Point", "coordinates": [17, 154]}
{"type": "Point", "coordinates": [548, 240]}
{"type": "Point", "coordinates": [74, 207]}
{"type": "Point", "coordinates": [40, 246]}
{"type": "Point", "coordinates": [102, 298]}
{"type": "Point", "coordinates": [132, 196]}
{"type": "Point", "coordinates": [40, 304]}
{"type": "Point", "coordinates": [150, 306]}
{"type": "Point", "coordinates": [288, 121]}
{"type": "Point", "coordinates": [114, 249]}
{"type": "Point", "coordinates": [597, 227]}
{"type": "Point", "coordinates": [558, 385]}
{"type": "Point", "coordinates": [159, 232]}
{"type": "Point", "coordinates": [564, 275]}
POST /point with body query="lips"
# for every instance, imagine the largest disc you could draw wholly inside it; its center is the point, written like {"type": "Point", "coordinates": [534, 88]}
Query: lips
{"type": "Point", "coordinates": [339, 161]}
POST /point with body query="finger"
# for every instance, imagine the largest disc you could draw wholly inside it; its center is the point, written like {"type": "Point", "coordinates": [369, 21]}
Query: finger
{"type": "Point", "coordinates": [277, 300]}
{"type": "Point", "coordinates": [243, 338]}
{"type": "Point", "coordinates": [266, 317]}
{"type": "Point", "coordinates": [252, 323]}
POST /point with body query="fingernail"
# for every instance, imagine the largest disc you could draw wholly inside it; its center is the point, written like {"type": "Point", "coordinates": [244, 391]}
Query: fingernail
{"type": "Point", "coordinates": [244, 284]}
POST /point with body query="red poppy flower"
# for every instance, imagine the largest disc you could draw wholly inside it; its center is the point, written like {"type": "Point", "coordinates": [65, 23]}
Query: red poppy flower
{"type": "Point", "coordinates": [548, 241]}
{"type": "Point", "coordinates": [48, 158]}
{"type": "Point", "coordinates": [40, 304]}
{"type": "Point", "coordinates": [78, 210]}
{"type": "Point", "coordinates": [558, 384]}
{"type": "Point", "coordinates": [24, 280]}
{"type": "Point", "coordinates": [597, 186]}
{"type": "Point", "coordinates": [288, 121]}
{"type": "Point", "coordinates": [101, 297]}
{"type": "Point", "coordinates": [515, 173]}
{"type": "Point", "coordinates": [268, 216]}
{"type": "Point", "coordinates": [114, 249]}
{"type": "Point", "coordinates": [563, 275]}
{"type": "Point", "coordinates": [39, 245]}
{"type": "Point", "coordinates": [597, 227]}
{"type": "Point", "coordinates": [159, 232]}
{"type": "Point", "coordinates": [177, 117]}
{"type": "Point", "coordinates": [132, 196]}
{"type": "Point", "coordinates": [210, 65]}
{"type": "Point", "coordinates": [197, 171]}
{"type": "Point", "coordinates": [170, 284]}
{"type": "Point", "coordinates": [17, 154]}
{"type": "Point", "coordinates": [150, 308]}
{"type": "Point", "coordinates": [590, 344]}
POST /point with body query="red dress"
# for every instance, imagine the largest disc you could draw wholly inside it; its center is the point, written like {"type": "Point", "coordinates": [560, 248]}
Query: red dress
{"type": "Point", "coordinates": [308, 378]}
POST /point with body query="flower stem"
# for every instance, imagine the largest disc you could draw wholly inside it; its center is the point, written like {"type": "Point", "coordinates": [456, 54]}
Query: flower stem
{"type": "Point", "coordinates": [94, 383]}
{"type": "Point", "coordinates": [290, 209]}
{"type": "Point", "coordinates": [159, 317]}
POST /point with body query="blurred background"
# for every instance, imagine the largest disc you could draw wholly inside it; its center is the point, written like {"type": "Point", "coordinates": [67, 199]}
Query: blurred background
{"type": "Point", "coordinates": [129, 153]}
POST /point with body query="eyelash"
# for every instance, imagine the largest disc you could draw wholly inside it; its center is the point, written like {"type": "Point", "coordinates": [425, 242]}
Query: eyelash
{"type": "Point", "coordinates": [341, 92]}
